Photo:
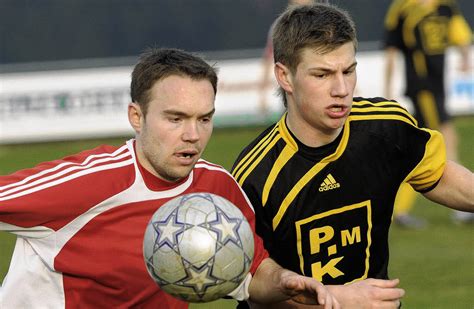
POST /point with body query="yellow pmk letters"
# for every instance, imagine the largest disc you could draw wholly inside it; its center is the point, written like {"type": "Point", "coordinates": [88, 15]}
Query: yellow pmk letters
{"type": "Point", "coordinates": [328, 244]}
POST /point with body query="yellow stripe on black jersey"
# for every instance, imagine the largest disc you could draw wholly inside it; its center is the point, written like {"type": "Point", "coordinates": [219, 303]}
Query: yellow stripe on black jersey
{"type": "Point", "coordinates": [379, 108]}
{"type": "Point", "coordinates": [325, 212]}
{"type": "Point", "coordinates": [254, 156]}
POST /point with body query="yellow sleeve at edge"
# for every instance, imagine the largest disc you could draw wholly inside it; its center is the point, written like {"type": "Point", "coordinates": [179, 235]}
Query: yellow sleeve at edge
{"type": "Point", "coordinates": [431, 167]}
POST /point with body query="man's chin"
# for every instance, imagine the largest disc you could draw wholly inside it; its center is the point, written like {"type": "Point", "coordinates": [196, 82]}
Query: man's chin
{"type": "Point", "coordinates": [180, 174]}
{"type": "Point", "coordinates": [339, 122]}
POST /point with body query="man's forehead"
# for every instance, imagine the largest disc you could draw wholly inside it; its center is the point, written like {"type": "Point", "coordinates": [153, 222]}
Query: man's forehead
{"type": "Point", "coordinates": [344, 54]}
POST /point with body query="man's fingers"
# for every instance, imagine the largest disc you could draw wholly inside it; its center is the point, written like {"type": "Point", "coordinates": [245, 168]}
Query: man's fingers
{"type": "Point", "coordinates": [391, 293]}
{"type": "Point", "coordinates": [307, 291]}
{"type": "Point", "coordinates": [382, 283]}
{"type": "Point", "coordinates": [390, 304]}
{"type": "Point", "coordinates": [293, 286]}
{"type": "Point", "coordinates": [387, 289]}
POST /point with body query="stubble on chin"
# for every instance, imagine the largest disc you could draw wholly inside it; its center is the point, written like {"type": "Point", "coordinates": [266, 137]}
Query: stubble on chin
{"type": "Point", "coordinates": [174, 174]}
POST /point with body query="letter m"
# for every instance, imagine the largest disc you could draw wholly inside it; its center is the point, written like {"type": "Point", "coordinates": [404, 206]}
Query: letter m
{"type": "Point", "coordinates": [348, 237]}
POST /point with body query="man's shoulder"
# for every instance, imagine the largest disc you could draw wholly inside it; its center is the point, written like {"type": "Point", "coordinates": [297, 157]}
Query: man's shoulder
{"type": "Point", "coordinates": [262, 139]}
{"type": "Point", "coordinates": [373, 100]}
{"type": "Point", "coordinates": [79, 180]}
{"type": "Point", "coordinates": [100, 150]}
{"type": "Point", "coordinates": [204, 166]}
{"type": "Point", "coordinates": [79, 164]}
{"type": "Point", "coordinates": [211, 172]}
{"type": "Point", "coordinates": [378, 108]}
{"type": "Point", "coordinates": [103, 158]}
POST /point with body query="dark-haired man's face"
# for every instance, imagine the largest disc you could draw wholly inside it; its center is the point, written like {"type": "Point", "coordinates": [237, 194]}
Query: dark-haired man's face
{"type": "Point", "coordinates": [177, 126]}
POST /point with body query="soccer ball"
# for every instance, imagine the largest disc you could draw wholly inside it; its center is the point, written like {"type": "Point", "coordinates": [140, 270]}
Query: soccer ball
{"type": "Point", "coordinates": [198, 247]}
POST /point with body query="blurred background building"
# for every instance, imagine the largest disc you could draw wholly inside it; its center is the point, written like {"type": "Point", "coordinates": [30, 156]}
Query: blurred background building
{"type": "Point", "coordinates": [62, 60]}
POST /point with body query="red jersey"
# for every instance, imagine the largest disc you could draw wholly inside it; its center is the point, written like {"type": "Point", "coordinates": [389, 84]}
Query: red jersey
{"type": "Point", "coordinates": [80, 223]}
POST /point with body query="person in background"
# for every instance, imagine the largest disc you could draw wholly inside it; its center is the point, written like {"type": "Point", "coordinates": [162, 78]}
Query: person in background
{"type": "Point", "coordinates": [422, 31]}
{"type": "Point", "coordinates": [267, 80]}
{"type": "Point", "coordinates": [80, 220]}
{"type": "Point", "coordinates": [323, 179]}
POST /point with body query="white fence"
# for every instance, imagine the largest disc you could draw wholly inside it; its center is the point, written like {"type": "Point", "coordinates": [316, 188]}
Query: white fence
{"type": "Point", "coordinates": [57, 105]}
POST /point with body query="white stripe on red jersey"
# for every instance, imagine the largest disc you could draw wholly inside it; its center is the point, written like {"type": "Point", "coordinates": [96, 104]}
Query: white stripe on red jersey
{"type": "Point", "coordinates": [45, 177]}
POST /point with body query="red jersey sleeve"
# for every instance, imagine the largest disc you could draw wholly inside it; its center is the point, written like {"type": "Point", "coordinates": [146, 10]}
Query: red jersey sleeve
{"type": "Point", "coordinates": [52, 194]}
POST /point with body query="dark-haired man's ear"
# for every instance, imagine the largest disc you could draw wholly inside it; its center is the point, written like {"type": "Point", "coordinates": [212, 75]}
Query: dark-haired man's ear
{"type": "Point", "coordinates": [135, 116]}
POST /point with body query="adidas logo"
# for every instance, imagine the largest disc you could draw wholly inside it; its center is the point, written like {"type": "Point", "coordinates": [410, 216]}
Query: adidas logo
{"type": "Point", "coordinates": [329, 183]}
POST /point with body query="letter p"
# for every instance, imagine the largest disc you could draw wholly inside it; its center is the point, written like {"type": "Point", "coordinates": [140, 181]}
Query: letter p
{"type": "Point", "coordinates": [318, 236]}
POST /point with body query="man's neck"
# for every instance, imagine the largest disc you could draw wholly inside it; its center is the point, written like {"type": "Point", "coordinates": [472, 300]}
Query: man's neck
{"type": "Point", "coordinates": [311, 136]}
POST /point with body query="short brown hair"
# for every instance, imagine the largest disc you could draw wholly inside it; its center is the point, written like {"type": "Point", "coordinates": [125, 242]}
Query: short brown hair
{"type": "Point", "coordinates": [158, 63]}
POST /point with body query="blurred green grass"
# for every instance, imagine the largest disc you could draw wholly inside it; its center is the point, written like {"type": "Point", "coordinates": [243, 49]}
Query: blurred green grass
{"type": "Point", "coordinates": [435, 265]}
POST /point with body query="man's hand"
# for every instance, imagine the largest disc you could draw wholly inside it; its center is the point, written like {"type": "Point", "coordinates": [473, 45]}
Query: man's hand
{"type": "Point", "coordinates": [272, 286]}
{"type": "Point", "coordinates": [305, 290]}
{"type": "Point", "coordinates": [369, 293]}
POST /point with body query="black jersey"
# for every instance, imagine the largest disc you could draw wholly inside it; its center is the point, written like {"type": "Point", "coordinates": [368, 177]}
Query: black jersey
{"type": "Point", "coordinates": [325, 212]}
{"type": "Point", "coordinates": [423, 33]}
